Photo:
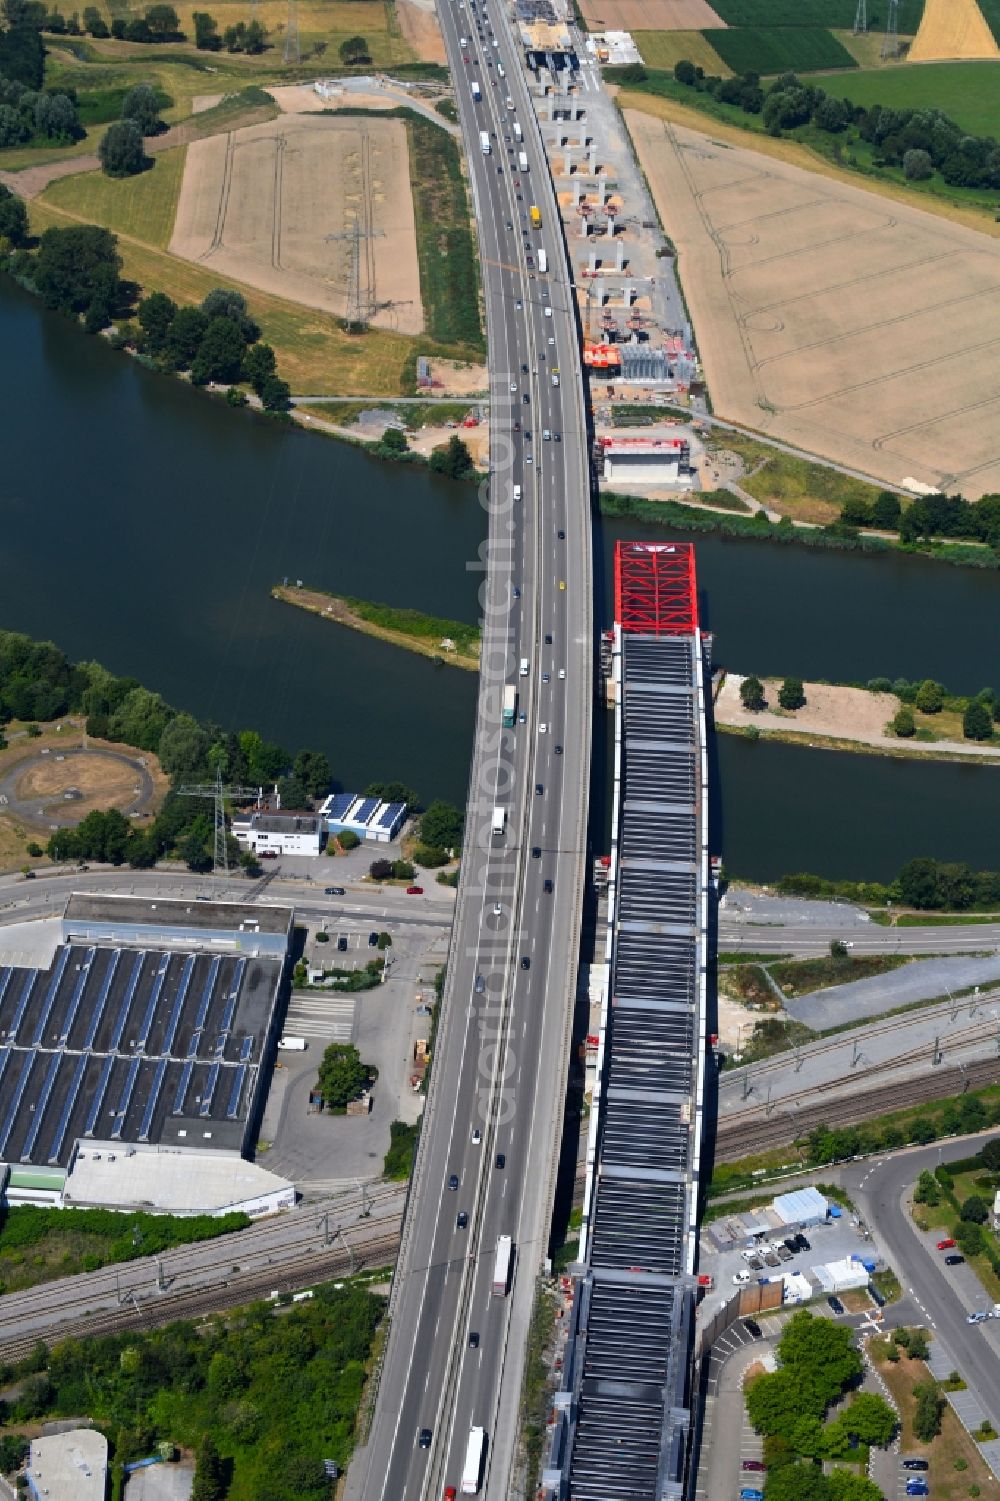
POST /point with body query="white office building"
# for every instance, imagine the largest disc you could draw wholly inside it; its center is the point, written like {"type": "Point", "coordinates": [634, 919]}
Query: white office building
{"type": "Point", "coordinates": [279, 833]}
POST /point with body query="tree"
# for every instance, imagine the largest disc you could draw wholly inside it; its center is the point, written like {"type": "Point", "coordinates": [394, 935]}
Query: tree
{"type": "Point", "coordinates": [977, 722]}
{"type": "Point", "coordinates": [452, 459]}
{"type": "Point", "coordinates": [73, 266]}
{"type": "Point", "coordinates": [752, 694]}
{"type": "Point", "coordinates": [685, 73]}
{"type": "Point", "coordinates": [354, 51]}
{"type": "Point", "coordinates": [184, 337]}
{"type": "Point", "coordinates": [886, 511]}
{"type": "Point", "coordinates": [183, 748]}
{"type": "Point", "coordinates": [902, 724]}
{"type": "Point", "coordinates": [930, 1406]}
{"type": "Point", "coordinates": [856, 511]}
{"type": "Point", "coordinates": [293, 793]}
{"type": "Point", "coordinates": [342, 1077]}
{"type": "Point", "coordinates": [917, 165]}
{"type": "Point", "coordinates": [394, 792]}
{"type": "Point", "coordinates": [776, 1402]}
{"type": "Point", "coordinates": [13, 220]}
{"type": "Point", "coordinates": [347, 839]}
{"type": "Point", "coordinates": [838, 949]}
{"type": "Point", "coordinates": [55, 118]}
{"type": "Point", "coordinates": [194, 852]}
{"type": "Point", "coordinates": [930, 697]}
{"type": "Point", "coordinates": [156, 315]}
{"type": "Point", "coordinates": [254, 38]}
{"type": "Point", "coordinates": [313, 770]}
{"type": "Point", "coordinates": [220, 353]}
{"type": "Point", "coordinates": [926, 1191]}
{"type": "Point", "coordinates": [791, 694]}
{"type": "Point", "coordinates": [209, 1475]}
{"type": "Point", "coordinates": [392, 444]}
{"type": "Point", "coordinates": [275, 394]}
{"type": "Point", "coordinates": [206, 31]}
{"type": "Point", "coordinates": [442, 824]}
{"type": "Point", "coordinates": [258, 363]}
{"type": "Point", "coordinates": [975, 1210]}
{"type": "Point", "coordinates": [798, 1482]}
{"type": "Point", "coordinates": [380, 870]}
{"type": "Point", "coordinates": [163, 24]}
{"type": "Point", "coordinates": [847, 1485]}
{"type": "Point", "coordinates": [121, 150]}
{"type": "Point", "coordinates": [94, 23]}
{"type": "Point", "coordinates": [870, 1418]}
{"type": "Point", "coordinates": [223, 302]}
{"type": "Point", "coordinates": [140, 719]}
{"type": "Point", "coordinates": [142, 107]}
{"type": "Point", "coordinates": [990, 1154]}
{"type": "Point", "coordinates": [969, 1237]}
{"type": "Point", "coordinates": [821, 1352]}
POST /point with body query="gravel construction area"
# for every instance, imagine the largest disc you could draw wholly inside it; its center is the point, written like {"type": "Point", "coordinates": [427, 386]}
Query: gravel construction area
{"type": "Point", "coordinates": [418, 24]}
{"type": "Point", "coordinates": [921, 980]}
{"type": "Point", "coordinates": [847, 713]}
{"type": "Point", "coordinates": [275, 206]}
{"type": "Point", "coordinates": [821, 309]}
{"type": "Point", "coordinates": [650, 15]}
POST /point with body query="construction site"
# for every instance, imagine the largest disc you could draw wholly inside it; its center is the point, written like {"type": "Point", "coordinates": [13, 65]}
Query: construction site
{"type": "Point", "coordinates": [637, 338]}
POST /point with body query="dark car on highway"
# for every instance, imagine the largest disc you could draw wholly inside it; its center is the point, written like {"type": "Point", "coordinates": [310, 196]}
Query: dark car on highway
{"type": "Point", "coordinates": [424, 1438]}
{"type": "Point", "coordinates": [334, 891]}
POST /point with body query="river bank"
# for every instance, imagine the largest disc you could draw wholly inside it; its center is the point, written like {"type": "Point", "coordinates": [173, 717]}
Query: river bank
{"type": "Point", "coordinates": [449, 643]}
{"type": "Point", "coordinates": [841, 717]}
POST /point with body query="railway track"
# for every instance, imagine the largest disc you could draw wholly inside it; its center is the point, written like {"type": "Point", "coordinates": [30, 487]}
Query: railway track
{"type": "Point", "coordinates": [163, 1308]}
{"type": "Point", "coordinates": [786, 1123]}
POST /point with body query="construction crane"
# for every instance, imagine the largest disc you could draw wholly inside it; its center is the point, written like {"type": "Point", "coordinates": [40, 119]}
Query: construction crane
{"type": "Point", "coordinates": [220, 794]}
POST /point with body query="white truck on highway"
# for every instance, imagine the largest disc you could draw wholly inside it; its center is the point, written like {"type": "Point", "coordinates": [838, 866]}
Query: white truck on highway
{"type": "Point", "coordinates": [484, 142]}
{"type": "Point", "coordinates": [499, 820]}
{"type": "Point", "coordinates": [501, 1266]}
{"type": "Point", "coordinates": [518, 132]}
{"type": "Point", "coordinates": [543, 261]}
{"type": "Point", "coordinates": [477, 92]}
{"type": "Point", "coordinates": [472, 1474]}
{"type": "Point", "coordinates": [522, 160]}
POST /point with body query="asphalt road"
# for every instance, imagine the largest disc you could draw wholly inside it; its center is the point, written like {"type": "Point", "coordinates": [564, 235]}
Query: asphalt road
{"type": "Point", "coordinates": [878, 1190]}
{"type": "Point", "coordinates": [501, 1054]}
{"type": "Point", "coordinates": [806, 939]}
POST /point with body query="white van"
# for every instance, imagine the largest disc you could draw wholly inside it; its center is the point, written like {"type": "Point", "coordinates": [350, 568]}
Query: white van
{"type": "Point", "coordinates": [523, 670]}
{"type": "Point", "coordinates": [517, 492]}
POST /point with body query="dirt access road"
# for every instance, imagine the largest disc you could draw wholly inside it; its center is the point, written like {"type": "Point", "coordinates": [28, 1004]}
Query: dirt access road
{"type": "Point", "coordinates": [846, 324]}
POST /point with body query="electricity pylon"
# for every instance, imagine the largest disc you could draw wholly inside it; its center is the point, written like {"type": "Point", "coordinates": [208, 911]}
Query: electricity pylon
{"type": "Point", "coordinates": [219, 794]}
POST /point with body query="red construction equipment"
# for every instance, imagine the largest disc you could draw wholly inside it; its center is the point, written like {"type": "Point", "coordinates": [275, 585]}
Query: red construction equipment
{"type": "Point", "coordinates": [656, 588]}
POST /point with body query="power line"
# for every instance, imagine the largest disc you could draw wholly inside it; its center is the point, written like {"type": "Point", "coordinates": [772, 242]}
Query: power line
{"type": "Point", "coordinates": [890, 42]}
{"type": "Point", "coordinates": [293, 47]}
{"type": "Point", "coordinates": [861, 18]}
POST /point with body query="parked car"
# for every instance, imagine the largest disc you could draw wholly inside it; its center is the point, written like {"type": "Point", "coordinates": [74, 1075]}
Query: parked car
{"type": "Point", "coordinates": [836, 1305]}
{"type": "Point", "coordinates": [954, 1261]}
{"type": "Point", "coordinates": [751, 1493]}
{"type": "Point", "coordinates": [946, 1244]}
{"type": "Point", "coordinates": [414, 891]}
{"type": "Point", "coordinates": [916, 1464]}
{"type": "Point", "coordinates": [373, 940]}
{"type": "Point", "coordinates": [753, 1464]}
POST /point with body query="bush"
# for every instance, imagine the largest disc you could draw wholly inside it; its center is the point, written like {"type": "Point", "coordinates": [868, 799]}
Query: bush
{"type": "Point", "coordinates": [930, 697]}
{"type": "Point", "coordinates": [902, 724]}
{"type": "Point", "coordinates": [752, 694]}
{"type": "Point", "coordinates": [142, 107]}
{"type": "Point", "coordinates": [977, 722]}
{"type": "Point", "coordinates": [917, 166]}
{"type": "Point", "coordinates": [348, 839]}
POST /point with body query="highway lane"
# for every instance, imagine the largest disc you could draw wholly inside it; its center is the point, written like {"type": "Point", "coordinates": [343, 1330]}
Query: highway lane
{"type": "Point", "coordinates": [878, 1189]}
{"type": "Point", "coordinates": [806, 940]}
{"type": "Point", "coordinates": [501, 1055]}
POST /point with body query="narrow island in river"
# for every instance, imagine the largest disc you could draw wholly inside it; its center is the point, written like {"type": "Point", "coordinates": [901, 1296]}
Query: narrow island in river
{"type": "Point", "coordinates": [447, 641]}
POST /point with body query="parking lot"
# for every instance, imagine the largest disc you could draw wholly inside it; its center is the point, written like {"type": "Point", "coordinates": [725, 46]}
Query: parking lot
{"type": "Point", "coordinates": [837, 1239]}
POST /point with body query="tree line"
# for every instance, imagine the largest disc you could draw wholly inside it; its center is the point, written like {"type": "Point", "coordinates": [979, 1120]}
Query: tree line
{"type": "Point", "coordinates": [77, 271]}
{"type": "Point", "coordinates": [918, 142]}
{"type": "Point", "coordinates": [928, 885]}
{"type": "Point", "coordinates": [158, 24]}
{"type": "Point", "coordinates": [929, 516]}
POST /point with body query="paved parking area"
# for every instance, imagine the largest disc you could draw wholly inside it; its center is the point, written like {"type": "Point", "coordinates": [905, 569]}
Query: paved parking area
{"type": "Point", "coordinates": [830, 1242]}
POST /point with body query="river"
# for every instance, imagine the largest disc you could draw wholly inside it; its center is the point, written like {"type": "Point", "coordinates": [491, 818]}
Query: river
{"type": "Point", "coordinates": [145, 523]}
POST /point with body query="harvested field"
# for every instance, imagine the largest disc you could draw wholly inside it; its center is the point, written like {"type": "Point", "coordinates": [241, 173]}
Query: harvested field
{"type": "Point", "coordinates": [662, 49]}
{"type": "Point", "coordinates": [649, 15]}
{"type": "Point", "coordinates": [275, 206]}
{"type": "Point", "coordinates": [853, 327]}
{"type": "Point", "coordinates": [952, 29]}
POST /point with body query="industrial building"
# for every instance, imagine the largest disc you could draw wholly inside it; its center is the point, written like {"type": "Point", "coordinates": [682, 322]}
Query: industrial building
{"type": "Point", "coordinates": [71, 1466]}
{"type": "Point", "coordinates": [148, 1036]}
{"type": "Point", "coordinates": [267, 833]}
{"type": "Point", "coordinates": [368, 817]}
{"type": "Point", "coordinates": [646, 461]}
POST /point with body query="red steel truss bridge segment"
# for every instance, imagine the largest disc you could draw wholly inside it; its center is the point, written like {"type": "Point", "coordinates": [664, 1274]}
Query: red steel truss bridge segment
{"type": "Point", "coordinates": [655, 588]}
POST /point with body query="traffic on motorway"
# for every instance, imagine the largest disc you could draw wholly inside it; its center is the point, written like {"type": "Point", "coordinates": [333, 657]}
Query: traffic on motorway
{"type": "Point", "coordinates": [445, 1420]}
